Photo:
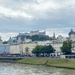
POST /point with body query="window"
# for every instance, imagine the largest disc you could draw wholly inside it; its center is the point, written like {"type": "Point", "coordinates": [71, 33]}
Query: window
{"type": "Point", "coordinates": [26, 50]}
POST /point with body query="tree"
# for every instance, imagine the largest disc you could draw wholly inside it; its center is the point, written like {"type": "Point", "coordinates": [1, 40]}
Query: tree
{"type": "Point", "coordinates": [37, 50]}
{"type": "Point", "coordinates": [43, 50]}
{"type": "Point", "coordinates": [67, 46]}
{"type": "Point", "coordinates": [49, 49]}
{"type": "Point", "coordinates": [5, 42]}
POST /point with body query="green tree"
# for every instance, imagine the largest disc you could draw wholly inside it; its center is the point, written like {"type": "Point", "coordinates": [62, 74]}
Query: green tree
{"type": "Point", "coordinates": [37, 50]}
{"type": "Point", "coordinates": [43, 50]}
{"type": "Point", "coordinates": [39, 37]}
{"type": "Point", "coordinates": [67, 46]}
{"type": "Point", "coordinates": [49, 49]}
{"type": "Point", "coordinates": [5, 42]}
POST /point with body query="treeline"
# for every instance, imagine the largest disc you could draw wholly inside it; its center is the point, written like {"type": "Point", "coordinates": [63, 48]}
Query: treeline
{"type": "Point", "coordinates": [43, 50]}
{"type": "Point", "coordinates": [39, 38]}
{"type": "Point", "coordinates": [35, 37]}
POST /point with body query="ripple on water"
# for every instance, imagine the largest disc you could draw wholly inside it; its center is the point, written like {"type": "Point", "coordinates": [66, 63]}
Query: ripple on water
{"type": "Point", "coordinates": [22, 69]}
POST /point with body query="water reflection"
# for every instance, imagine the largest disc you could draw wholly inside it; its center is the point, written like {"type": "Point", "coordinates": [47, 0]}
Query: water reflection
{"type": "Point", "coordinates": [22, 69]}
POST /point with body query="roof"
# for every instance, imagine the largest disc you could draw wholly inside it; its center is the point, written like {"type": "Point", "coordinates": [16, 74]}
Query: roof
{"type": "Point", "coordinates": [10, 40]}
{"type": "Point", "coordinates": [71, 32]}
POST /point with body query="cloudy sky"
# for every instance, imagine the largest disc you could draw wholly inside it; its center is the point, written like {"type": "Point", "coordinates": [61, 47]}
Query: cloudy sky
{"type": "Point", "coordinates": [26, 15]}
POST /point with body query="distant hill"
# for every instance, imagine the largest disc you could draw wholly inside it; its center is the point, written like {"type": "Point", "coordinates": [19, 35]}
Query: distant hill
{"type": "Point", "coordinates": [35, 37]}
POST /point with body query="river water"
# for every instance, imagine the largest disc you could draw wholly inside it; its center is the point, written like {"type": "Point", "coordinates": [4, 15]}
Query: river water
{"type": "Point", "coordinates": [22, 69]}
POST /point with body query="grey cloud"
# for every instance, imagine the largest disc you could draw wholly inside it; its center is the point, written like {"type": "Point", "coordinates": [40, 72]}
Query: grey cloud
{"type": "Point", "coordinates": [61, 15]}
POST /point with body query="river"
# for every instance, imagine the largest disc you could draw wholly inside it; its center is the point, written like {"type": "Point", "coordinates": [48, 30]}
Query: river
{"type": "Point", "coordinates": [22, 69]}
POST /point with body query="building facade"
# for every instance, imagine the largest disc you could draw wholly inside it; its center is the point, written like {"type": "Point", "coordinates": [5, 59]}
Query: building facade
{"type": "Point", "coordinates": [4, 49]}
{"type": "Point", "coordinates": [14, 49]}
{"type": "Point", "coordinates": [25, 48]}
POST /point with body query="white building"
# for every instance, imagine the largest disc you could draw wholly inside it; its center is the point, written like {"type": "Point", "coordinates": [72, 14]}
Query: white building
{"type": "Point", "coordinates": [27, 40]}
{"type": "Point", "coordinates": [61, 39]}
{"type": "Point", "coordinates": [57, 47]}
{"type": "Point", "coordinates": [19, 40]}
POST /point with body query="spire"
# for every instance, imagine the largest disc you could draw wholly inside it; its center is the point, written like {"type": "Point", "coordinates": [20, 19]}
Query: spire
{"type": "Point", "coordinates": [71, 29]}
{"type": "Point", "coordinates": [54, 35]}
{"type": "Point", "coordinates": [0, 37]}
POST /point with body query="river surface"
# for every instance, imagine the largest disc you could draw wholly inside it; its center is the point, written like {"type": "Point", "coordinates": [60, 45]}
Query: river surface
{"type": "Point", "coordinates": [22, 69]}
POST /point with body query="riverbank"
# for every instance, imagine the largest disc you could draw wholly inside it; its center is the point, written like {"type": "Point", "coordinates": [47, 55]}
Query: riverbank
{"type": "Point", "coordinates": [50, 62]}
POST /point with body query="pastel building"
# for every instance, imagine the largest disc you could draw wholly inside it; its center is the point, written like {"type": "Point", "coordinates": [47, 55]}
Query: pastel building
{"type": "Point", "coordinates": [25, 48]}
{"type": "Point", "coordinates": [60, 39]}
{"type": "Point", "coordinates": [4, 49]}
{"type": "Point", "coordinates": [14, 49]}
{"type": "Point", "coordinates": [57, 47]}
{"type": "Point", "coordinates": [28, 47]}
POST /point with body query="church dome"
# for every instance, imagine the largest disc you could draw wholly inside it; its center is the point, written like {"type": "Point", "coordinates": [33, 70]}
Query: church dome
{"type": "Point", "coordinates": [71, 32]}
{"type": "Point", "coordinates": [10, 40]}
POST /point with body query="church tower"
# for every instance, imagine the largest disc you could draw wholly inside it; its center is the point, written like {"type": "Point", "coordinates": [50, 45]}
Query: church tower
{"type": "Point", "coordinates": [54, 37]}
{"type": "Point", "coordinates": [72, 35]}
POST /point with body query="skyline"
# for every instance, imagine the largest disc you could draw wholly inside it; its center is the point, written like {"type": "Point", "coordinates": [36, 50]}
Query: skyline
{"type": "Point", "coordinates": [47, 33]}
{"type": "Point", "coordinates": [30, 15]}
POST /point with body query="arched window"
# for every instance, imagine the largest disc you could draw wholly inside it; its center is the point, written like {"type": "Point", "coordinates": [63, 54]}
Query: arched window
{"type": "Point", "coordinates": [26, 50]}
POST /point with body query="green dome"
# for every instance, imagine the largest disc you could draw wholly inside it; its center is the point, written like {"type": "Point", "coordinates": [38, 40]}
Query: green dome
{"type": "Point", "coordinates": [10, 40]}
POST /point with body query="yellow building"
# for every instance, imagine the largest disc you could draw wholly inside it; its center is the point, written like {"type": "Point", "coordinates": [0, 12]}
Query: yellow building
{"type": "Point", "coordinates": [28, 47]}
{"type": "Point", "coordinates": [22, 48]}
{"type": "Point", "coordinates": [14, 49]}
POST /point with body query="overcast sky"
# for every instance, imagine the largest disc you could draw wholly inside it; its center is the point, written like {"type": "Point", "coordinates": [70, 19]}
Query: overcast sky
{"type": "Point", "coordinates": [26, 15]}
